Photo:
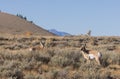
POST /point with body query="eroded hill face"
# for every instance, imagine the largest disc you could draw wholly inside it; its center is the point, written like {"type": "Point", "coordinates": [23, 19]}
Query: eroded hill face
{"type": "Point", "coordinates": [60, 59]}
{"type": "Point", "coordinates": [11, 24]}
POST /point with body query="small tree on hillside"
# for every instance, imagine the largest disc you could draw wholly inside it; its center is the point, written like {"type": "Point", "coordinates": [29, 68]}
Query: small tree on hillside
{"type": "Point", "coordinates": [21, 16]}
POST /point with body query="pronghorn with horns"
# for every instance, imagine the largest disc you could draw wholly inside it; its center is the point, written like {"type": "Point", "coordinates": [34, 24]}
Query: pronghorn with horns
{"type": "Point", "coordinates": [35, 48]}
{"type": "Point", "coordinates": [91, 54]}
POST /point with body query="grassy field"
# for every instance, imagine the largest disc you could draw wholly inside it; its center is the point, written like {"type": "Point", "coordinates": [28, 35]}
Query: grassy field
{"type": "Point", "coordinates": [60, 59]}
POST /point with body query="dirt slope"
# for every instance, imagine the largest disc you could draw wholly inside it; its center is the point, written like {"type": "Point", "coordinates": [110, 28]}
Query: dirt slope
{"type": "Point", "coordinates": [12, 24]}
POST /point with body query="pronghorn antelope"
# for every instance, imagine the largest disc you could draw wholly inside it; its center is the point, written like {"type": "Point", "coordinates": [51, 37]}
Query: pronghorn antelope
{"type": "Point", "coordinates": [40, 47]}
{"type": "Point", "coordinates": [91, 54]}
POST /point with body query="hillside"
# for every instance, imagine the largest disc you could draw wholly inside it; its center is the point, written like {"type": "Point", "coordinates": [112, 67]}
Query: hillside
{"type": "Point", "coordinates": [12, 24]}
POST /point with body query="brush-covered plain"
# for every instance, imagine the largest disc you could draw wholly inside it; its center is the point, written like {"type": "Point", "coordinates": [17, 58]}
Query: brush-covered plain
{"type": "Point", "coordinates": [61, 57]}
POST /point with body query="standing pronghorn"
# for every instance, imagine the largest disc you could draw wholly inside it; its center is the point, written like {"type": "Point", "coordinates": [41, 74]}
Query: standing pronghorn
{"type": "Point", "coordinates": [91, 54]}
{"type": "Point", "coordinates": [35, 48]}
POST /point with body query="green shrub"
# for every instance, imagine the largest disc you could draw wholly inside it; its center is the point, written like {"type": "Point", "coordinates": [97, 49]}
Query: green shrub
{"type": "Point", "coordinates": [110, 58]}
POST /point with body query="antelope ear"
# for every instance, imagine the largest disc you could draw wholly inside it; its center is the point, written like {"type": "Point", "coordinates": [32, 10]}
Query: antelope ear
{"type": "Point", "coordinates": [82, 47]}
{"type": "Point", "coordinates": [85, 45]}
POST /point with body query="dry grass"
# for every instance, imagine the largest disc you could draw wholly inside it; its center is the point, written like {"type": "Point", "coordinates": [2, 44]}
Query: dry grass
{"type": "Point", "coordinates": [61, 58]}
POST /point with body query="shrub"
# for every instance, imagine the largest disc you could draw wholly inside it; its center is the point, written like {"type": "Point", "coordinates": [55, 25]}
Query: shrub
{"type": "Point", "coordinates": [60, 61]}
{"type": "Point", "coordinates": [41, 56]}
{"type": "Point", "coordinates": [110, 58]}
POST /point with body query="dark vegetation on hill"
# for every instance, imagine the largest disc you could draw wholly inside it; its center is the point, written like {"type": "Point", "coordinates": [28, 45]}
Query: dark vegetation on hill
{"type": "Point", "coordinates": [60, 59]}
{"type": "Point", "coordinates": [11, 24]}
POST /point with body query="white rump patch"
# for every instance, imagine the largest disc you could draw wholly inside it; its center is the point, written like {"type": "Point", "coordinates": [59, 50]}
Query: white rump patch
{"type": "Point", "coordinates": [91, 56]}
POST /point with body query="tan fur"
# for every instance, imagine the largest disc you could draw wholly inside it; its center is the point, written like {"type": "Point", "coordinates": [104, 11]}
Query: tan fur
{"type": "Point", "coordinates": [91, 54]}
{"type": "Point", "coordinates": [35, 48]}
